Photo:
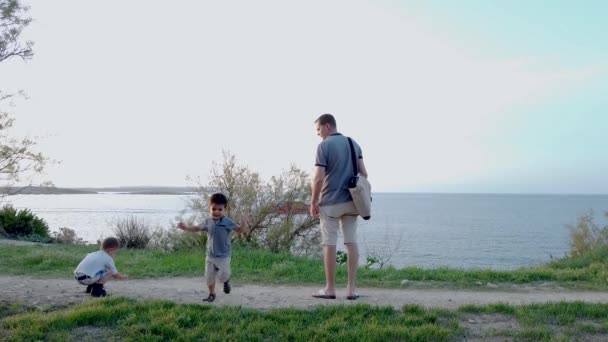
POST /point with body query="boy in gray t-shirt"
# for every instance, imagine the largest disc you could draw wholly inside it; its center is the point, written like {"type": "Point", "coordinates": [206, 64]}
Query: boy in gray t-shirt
{"type": "Point", "coordinates": [218, 228]}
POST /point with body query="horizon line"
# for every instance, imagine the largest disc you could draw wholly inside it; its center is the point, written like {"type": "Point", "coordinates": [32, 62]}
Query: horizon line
{"type": "Point", "coordinates": [373, 192]}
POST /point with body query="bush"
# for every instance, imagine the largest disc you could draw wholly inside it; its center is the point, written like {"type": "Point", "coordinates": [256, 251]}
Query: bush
{"type": "Point", "coordinates": [586, 235]}
{"type": "Point", "coordinates": [132, 232]}
{"type": "Point", "coordinates": [278, 209]}
{"type": "Point", "coordinates": [67, 236]}
{"type": "Point", "coordinates": [22, 223]}
{"type": "Point", "coordinates": [174, 239]}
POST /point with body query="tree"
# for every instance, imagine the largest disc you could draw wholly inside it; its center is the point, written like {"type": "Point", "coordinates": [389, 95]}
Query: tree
{"type": "Point", "coordinates": [13, 19]}
{"type": "Point", "coordinates": [18, 161]}
{"type": "Point", "coordinates": [280, 218]}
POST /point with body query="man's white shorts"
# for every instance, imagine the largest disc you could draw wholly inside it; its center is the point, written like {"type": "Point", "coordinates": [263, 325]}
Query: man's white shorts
{"type": "Point", "coordinates": [217, 268]}
{"type": "Point", "coordinates": [335, 216]}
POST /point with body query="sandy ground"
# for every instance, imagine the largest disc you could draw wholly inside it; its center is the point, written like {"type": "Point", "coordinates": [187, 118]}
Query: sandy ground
{"type": "Point", "coordinates": [42, 293]}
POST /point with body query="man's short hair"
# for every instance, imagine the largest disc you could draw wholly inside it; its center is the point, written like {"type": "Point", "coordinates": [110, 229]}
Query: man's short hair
{"type": "Point", "coordinates": [110, 242]}
{"type": "Point", "coordinates": [326, 119]}
{"type": "Point", "coordinates": [218, 198]}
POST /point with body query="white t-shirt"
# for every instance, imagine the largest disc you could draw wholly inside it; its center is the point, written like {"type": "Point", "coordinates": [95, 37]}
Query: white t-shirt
{"type": "Point", "coordinates": [95, 262]}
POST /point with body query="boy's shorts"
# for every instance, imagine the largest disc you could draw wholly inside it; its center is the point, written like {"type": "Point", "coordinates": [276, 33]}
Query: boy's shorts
{"type": "Point", "coordinates": [335, 216]}
{"type": "Point", "coordinates": [217, 267]}
{"type": "Point", "coordinates": [85, 279]}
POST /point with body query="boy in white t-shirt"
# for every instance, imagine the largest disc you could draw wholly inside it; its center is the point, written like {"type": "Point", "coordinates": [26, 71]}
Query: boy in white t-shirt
{"type": "Point", "coordinates": [98, 267]}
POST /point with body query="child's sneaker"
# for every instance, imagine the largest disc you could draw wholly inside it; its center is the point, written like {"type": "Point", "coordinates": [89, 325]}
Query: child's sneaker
{"type": "Point", "coordinates": [227, 287]}
{"type": "Point", "coordinates": [97, 290]}
{"type": "Point", "coordinates": [210, 299]}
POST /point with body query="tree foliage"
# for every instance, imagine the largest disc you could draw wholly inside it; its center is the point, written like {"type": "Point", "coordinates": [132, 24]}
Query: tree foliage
{"type": "Point", "coordinates": [13, 19]}
{"type": "Point", "coordinates": [278, 208]}
{"type": "Point", "coordinates": [18, 160]}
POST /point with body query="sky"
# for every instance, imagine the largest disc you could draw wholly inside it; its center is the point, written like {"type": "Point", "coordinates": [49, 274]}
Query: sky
{"type": "Point", "coordinates": [443, 96]}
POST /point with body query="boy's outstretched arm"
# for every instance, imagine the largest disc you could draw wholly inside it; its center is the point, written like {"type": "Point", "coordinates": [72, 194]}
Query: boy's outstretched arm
{"type": "Point", "coordinates": [192, 228]}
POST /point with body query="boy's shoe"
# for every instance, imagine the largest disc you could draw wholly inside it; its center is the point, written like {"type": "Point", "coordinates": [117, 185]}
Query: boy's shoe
{"type": "Point", "coordinates": [89, 287]}
{"type": "Point", "coordinates": [210, 299]}
{"type": "Point", "coordinates": [97, 290]}
{"type": "Point", "coordinates": [227, 287]}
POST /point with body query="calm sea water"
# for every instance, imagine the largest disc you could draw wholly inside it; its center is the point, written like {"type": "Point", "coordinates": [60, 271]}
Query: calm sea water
{"type": "Point", "coordinates": [427, 230]}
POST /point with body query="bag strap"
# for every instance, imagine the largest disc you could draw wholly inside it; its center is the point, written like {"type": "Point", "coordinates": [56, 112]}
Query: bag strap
{"type": "Point", "coordinates": [353, 157]}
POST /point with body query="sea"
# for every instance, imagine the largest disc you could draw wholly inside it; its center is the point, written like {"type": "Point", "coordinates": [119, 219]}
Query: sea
{"type": "Point", "coordinates": [466, 231]}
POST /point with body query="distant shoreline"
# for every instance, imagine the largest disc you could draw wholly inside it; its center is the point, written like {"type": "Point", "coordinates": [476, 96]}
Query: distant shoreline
{"type": "Point", "coordinates": [139, 190]}
{"type": "Point", "coordinates": [177, 190]}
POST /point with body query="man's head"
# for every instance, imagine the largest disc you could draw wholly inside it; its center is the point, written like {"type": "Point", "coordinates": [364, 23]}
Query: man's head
{"type": "Point", "coordinates": [110, 245]}
{"type": "Point", "coordinates": [325, 125]}
{"type": "Point", "coordinates": [217, 205]}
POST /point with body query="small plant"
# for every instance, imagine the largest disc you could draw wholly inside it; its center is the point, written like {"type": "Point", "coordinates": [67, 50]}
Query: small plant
{"type": "Point", "coordinates": [586, 235]}
{"type": "Point", "coordinates": [173, 240]}
{"type": "Point", "coordinates": [132, 232]}
{"type": "Point", "coordinates": [67, 236]}
{"type": "Point", "coordinates": [21, 223]}
{"type": "Point", "coordinates": [383, 255]}
{"type": "Point", "coordinates": [371, 261]}
{"type": "Point", "coordinates": [341, 258]}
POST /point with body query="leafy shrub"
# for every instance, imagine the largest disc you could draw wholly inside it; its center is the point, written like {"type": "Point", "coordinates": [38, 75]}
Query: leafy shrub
{"type": "Point", "coordinates": [67, 236]}
{"type": "Point", "coordinates": [21, 223]}
{"type": "Point", "coordinates": [586, 235]}
{"type": "Point", "coordinates": [341, 258]}
{"type": "Point", "coordinates": [132, 232]}
{"type": "Point", "coordinates": [174, 239]}
{"type": "Point", "coordinates": [278, 209]}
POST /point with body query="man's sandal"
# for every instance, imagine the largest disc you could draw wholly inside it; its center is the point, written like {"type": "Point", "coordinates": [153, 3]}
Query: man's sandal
{"type": "Point", "coordinates": [323, 295]}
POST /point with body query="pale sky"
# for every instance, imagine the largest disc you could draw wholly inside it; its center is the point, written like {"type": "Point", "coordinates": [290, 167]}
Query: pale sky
{"type": "Point", "coordinates": [461, 96]}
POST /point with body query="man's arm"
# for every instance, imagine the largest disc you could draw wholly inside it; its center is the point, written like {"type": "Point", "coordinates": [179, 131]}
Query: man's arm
{"type": "Point", "coordinates": [317, 184]}
{"type": "Point", "coordinates": [243, 226]}
{"type": "Point", "coordinates": [362, 169]}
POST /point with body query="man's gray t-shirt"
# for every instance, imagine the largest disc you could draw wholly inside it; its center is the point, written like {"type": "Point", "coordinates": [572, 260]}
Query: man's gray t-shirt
{"type": "Point", "coordinates": [333, 153]}
{"type": "Point", "coordinates": [218, 236]}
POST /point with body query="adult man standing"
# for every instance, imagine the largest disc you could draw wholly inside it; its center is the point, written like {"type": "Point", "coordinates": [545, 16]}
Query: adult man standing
{"type": "Point", "coordinates": [333, 204]}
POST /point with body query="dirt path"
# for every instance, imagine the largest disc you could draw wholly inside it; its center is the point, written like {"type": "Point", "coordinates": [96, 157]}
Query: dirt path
{"type": "Point", "coordinates": [61, 292]}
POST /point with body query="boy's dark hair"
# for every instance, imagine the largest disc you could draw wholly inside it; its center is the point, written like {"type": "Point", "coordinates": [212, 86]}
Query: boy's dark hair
{"type": "Point", "coordinates": [218, 198]}
{"type": "Point", "coordinates": [110, 242]}
{"type": "Point", "coordinates": [326, 119]}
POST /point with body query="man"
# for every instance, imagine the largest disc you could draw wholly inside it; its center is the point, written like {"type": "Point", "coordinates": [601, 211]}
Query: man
{"type": "Point", "coordinates": [332, 202]}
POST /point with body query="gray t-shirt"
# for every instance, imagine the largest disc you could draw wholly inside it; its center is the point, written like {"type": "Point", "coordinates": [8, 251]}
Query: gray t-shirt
{"type": "Point", "coordinates": [218, 236]}
{"type": "Point", "coordinates": [333, 153]}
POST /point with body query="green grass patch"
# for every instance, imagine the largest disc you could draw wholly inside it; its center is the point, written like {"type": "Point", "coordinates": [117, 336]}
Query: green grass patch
{"type": "Point", "coordinates": [260, 266]}
{"type": "Point", "coordinates": [128, 319]}
{"type": "Point", "coordinates": [563, 313]}
{"type": "Point", "coordinates": [160, 321]}
{"type": "Point", "coordinates": [551, 321]}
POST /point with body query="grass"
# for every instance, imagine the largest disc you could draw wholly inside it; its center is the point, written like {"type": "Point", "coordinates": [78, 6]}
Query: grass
{"type": "Point", "coordinates": [551, 321]}
{"type": "Point", "coordinates": [127, 319]}
{"type": "Point", "coordinates": [119, 318]}
{"type": "Point", "coordinates": [250, 265]}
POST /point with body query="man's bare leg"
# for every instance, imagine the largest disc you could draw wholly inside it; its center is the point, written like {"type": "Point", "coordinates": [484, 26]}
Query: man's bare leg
{"type": "Point", "coordinates": [329, 258]}
{"type": "Point", "coordinates": [352, 251]}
